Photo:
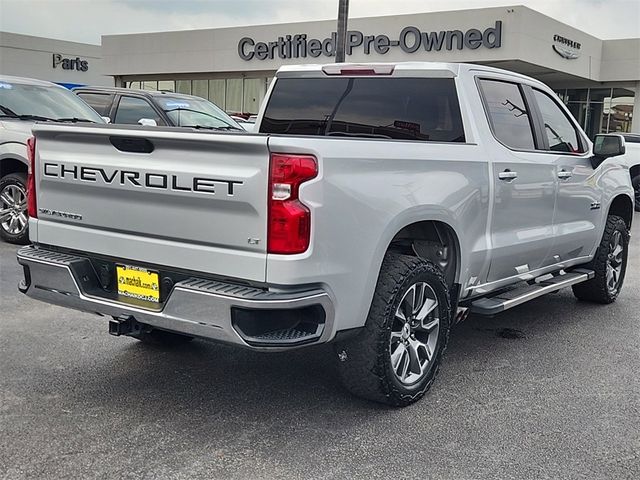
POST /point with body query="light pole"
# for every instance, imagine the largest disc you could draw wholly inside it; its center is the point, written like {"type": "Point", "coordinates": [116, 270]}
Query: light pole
{"type": "Point", "coordinates": [341, 40]}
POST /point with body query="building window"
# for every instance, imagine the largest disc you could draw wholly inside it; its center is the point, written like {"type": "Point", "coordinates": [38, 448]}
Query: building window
{"type": "Point", "coordinates": [183, 86]}
{"type": "Point", "coordinates": [621, 110]}
{"type": "Point", "coordinates": [254, 91]}
{"type": "Point", "coordinates": [167, 85]}
{"type": "Point", "coordinates": [601, 110]}
{"type": "Point", "coordinates": [200, 88]}
{"type": "Point", "coordinates": [217, 92]}
{"type": "Point", "coordinates": [234, 95]}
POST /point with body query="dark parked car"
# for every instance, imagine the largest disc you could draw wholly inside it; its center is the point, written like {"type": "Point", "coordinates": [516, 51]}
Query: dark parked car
{"type": "Point", "coordinates": [146, 107]}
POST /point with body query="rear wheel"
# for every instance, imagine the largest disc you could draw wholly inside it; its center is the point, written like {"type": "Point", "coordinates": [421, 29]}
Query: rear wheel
{"type": "Point", "coordinates": [396, 357]}
{"type": "Point", "coordinates": [609, 265]}
{"type": "Point", "coordinates": [14, 222]}
{"type": "Point", "coordinates": [636, 187]}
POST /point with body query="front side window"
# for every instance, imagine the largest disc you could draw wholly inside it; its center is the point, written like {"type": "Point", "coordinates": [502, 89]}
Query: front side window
{"type": "Point", "coordinates": [424, 109]}
{"type": "Point", "coordinates": [100, 102]}
{"type": "Point", "coordinates": [132, 109]}
{"type": "Point", "coordinates": [560, 132]}
{"type": "Point", "coordinates": [508, 114]}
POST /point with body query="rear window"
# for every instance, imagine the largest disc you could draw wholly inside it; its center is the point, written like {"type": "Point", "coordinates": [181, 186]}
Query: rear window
{"type": "Point", "coordinates": [425, 109]}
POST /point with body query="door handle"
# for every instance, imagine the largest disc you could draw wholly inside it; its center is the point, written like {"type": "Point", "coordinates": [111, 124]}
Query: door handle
{"type": "Point", "coordinates": [508, 175]}
{"type": "Point", "coordinates": [564, 174]}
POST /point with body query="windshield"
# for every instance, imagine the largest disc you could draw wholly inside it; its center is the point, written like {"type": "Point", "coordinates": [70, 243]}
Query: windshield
{"type": "Point", "coordinates": [51, 102]}
{"type": "Point", "coordinates": [195, 111]}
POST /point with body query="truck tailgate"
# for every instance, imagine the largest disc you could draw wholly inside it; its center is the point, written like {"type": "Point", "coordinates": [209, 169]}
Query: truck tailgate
{"type": "Point", "coordinates": [193, 200]}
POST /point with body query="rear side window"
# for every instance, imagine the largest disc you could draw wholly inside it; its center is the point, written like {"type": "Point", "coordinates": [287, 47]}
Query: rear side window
{"type": "Point", "coordinates": [560, 132]}
{"type": "Point", "coordinates": [425, 109]}
{"type": "Point", "coordinates": [100, 102]}
{"type": "Point", "coordinates": [132, 109]}
{"type": "Point", "coordinates": [508, 114]}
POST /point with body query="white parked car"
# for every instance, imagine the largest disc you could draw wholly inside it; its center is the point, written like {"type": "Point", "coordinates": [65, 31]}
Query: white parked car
{"type": "Point", "coordinates": [632, 157]}
{"type": "Point", "coordinates": [24, 101]}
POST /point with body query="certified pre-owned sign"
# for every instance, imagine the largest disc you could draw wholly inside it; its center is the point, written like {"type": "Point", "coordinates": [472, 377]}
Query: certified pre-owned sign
{"type": "Point", "coordinates": [410, 40]}
{"type": "Point", "coordinates": [566, 48]}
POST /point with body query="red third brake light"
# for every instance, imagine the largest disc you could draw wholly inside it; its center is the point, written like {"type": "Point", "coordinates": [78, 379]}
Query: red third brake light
{"type": "Point", "coordinates": [32, 209]}
{"type": "Point", "coordinates": [289, 229]}
{"type": "Point", "coordinates": [358, 69]}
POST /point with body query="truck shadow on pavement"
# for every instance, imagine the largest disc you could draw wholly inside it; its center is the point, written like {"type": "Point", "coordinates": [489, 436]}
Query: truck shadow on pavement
{"type": "Point", "coordinates": [205, 380]}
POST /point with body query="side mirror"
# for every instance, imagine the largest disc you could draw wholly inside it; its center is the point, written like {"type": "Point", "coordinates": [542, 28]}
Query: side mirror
{"type": "Point", "coordinates": [147, 122]}
{"type": "Point", "coordinates": [605, 146]}
{"type": "Point", "coordinates": [106, 119]}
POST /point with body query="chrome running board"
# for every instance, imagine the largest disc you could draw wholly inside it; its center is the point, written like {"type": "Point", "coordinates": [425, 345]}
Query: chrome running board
{"type": "Point", "coordinates": [546, 284]}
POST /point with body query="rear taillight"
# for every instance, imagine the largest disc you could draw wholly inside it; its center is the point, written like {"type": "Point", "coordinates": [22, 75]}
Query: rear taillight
{"type": "Point", "coordinates": [32, 209]}
{"type": "Point", "coordinates": [289, 219]}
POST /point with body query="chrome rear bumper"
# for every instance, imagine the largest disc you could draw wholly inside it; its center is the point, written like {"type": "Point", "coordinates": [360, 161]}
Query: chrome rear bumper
{"type": "Point", "coordinates": [195, 306]}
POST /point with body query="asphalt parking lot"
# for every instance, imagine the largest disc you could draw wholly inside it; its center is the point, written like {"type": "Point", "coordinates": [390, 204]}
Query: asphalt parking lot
{"type": "Point", "coordinates": [548, 390]}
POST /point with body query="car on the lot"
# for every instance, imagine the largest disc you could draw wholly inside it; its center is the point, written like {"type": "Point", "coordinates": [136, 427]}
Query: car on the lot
{"type": "Point", "coordinates": [632, 159]}
{"type": "Point", "coordinates": [24, 101]}
{"type": "Point", "coordinates": [376, 206]}
{"type": "Point", "coordinates": [127, 106]}
{"type": "Point", "coordinates": [246, 123]}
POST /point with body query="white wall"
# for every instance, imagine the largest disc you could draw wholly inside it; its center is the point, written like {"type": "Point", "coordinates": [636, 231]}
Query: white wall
{"type": "Point", "coordinates": [28, 56]}
{"type": "Point", "coordinates": [621, 60]}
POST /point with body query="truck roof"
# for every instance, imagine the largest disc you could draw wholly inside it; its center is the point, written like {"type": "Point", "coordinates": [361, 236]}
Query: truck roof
{"type": "Point", "coordinates": [150, 93]}
{"type": "Point", "coordinates": [430, 69]}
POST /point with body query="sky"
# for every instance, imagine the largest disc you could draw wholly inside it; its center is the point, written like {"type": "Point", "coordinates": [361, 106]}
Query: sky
{"type": "Point", "coordinates": [87, 20]}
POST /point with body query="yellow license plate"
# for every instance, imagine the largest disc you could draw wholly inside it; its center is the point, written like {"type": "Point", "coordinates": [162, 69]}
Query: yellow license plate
{"type": "Point", "coordinates": [137, 282]}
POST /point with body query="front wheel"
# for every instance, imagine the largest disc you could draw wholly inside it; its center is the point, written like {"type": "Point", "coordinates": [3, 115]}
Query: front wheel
{"type": "Point", "coordinates": [396, 357]}
{"type": "Point", "coordinates": [14, 222]}
{"type": "Point", "coordinates": [609, 265]}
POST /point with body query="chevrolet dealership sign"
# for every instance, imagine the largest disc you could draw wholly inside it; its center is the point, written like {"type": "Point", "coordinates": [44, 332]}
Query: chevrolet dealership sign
{"type": "Point", "coordinates": [409, 40]}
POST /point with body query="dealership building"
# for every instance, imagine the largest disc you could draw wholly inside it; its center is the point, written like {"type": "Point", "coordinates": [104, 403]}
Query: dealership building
{"type": "Point", "coordinates": [65, 63]}
{"type": "Point", "coordinates": [599, 80]}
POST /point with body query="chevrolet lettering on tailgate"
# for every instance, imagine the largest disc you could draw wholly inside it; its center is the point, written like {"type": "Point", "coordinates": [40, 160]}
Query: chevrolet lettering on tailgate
{"type": "Point", "coordinates": [162, 181]}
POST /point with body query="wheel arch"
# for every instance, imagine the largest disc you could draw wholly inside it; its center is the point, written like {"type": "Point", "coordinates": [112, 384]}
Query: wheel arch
{"type": "Point", "coordinates": [622, 206]}
{"type": "Point", "coordinates": [11, 165]}
{"type": "Point", "coordinates": [417, 239]}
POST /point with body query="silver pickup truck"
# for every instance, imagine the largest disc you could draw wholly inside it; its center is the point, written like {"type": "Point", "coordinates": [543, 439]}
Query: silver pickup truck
{"type": "Point", "coordinates": [376, 206]}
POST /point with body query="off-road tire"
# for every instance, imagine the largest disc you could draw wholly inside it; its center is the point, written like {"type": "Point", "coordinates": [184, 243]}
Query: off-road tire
{"type": "Point", "coordinates": [19, 179]}
{"type": "Point", "coordinates": [596, 289]}
{"type": "Point", "coordinates": [161, 337]}
{"type": "Point", "coordinates": [364, 361]}
{"type": "Point", "coordinates": [636, 187]}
